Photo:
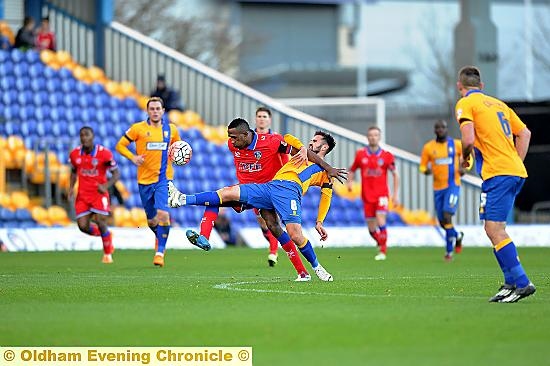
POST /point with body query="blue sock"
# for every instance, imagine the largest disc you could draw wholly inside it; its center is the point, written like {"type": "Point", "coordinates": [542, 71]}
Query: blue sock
{"type": "Point", "coordinates": [209, 198]}
{"type": "Point", "coordinates": [154, 229]}
{"type": "Point", "coordinates": [450, 237]}
{"type": "Point", "coordinates": [284, 238]}
{"type": "Point", "coordinates": [508, 255]}
{"type": "Point", "coordinates": [162, 236]}
{"type": "Point", "coordinates": [309, 254]}
{"type": "Point", "coordinates": [508, 278]}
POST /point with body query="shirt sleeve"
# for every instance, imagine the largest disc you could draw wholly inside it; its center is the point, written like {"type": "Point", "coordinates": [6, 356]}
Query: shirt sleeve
{"type": "Point", "coordinates": [464, 112]}
{"type": "Point", "coordinates": [132, 133]}
{"type": "Point", "coordinates": [175, 134]}
{"type": "Point", "coordinates": [424, 159]}
{"type": "Point", "coordinates": [324, 202]}
{"type": "Point", "coordinates": [110, 162]}
{"type": "Point", "coordinates": [356, 162]}
{"type": "Point", "coordinates": [516, 123]}
{"type": "Point", "coordinates": [391, 162]}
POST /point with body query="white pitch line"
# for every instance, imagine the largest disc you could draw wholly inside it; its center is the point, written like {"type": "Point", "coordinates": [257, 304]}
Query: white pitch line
{"type": "Point", "coordinates": [231, 287]}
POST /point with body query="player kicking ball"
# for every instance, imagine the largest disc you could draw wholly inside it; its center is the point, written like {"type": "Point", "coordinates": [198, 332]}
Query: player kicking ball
{"type": "Point", "coordinates": [90, 163]}
{"type": "Point", "coordinates": [283, 193]}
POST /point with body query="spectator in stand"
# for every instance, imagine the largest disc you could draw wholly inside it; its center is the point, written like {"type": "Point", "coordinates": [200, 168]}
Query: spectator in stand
{"type": "Point", "coordinates": [223, 227]}
{"type": "Point", "coordinates": [45, 38]}
{"type": "Point", "coordinates": [6, 37]}
{"type": "Point", "coordinates": [25, 36]}
{"type": "Point", "coordinates": [170, 97]}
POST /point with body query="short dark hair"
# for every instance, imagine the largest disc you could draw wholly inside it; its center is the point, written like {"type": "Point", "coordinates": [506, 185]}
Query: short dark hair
{"type": "Point", "coordinates": [328, 138]}
{"type": "Point", "coordinates": [155, 99]}
{"type": "Point", "coordinates": [264, 109]}
{"type": "Point", "coordinates": [470, 76]}
{"type": "Point", "coordinates": [27, 20]}
{"type": "Point", "coordinates": [374, 128]}
{"type": "Point", "coordinates": [84, 128]}
{"type": "Point", "coordinates": [240, 124]}
{"type": "Point", "coordinates": [45, 19]}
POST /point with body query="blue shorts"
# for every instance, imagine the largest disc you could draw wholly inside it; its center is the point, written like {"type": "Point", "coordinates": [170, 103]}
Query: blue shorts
{"type": "Point", "coordinates": [283, 196]}
{"type": "Point", "coordinates": [446, 200]}
{"type": "Point", "coordinates": [154, 197]}
{"type": "Point", "coordinates": [497, 197]}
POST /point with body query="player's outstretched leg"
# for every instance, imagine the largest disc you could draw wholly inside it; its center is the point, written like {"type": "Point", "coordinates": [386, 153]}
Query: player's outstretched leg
{"type": "Point", "coordinates": [198, 240]}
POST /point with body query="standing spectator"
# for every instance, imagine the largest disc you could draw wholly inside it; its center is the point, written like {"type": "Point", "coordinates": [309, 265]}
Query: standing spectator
{"type": "Point", "coordinates": [45, 39]}
{"type": "Point", "coordinates": [25, 35]}
{"type": "Point", "coordinates": [170, 97]}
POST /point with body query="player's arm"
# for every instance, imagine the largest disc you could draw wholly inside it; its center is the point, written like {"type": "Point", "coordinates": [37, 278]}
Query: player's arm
{"type": "Point", "coordinates": [424, 161]}
{"type": "Point", "coordinates": [465, 118]}
{"type": "Point", "coordinates": [72, 182]}
{"type": "Point", "coordinates": [324, 205]}
{"type": "Point", "coordinates": [351, 171]}
{"type": "Point", "coordinates": [122, 147]}
{"type": "Point", "coordinates": [522, 134]}
{"type": "Point", "coordinates": [395, 196]}
{"type": "Point", "coordinates": [338, 173]}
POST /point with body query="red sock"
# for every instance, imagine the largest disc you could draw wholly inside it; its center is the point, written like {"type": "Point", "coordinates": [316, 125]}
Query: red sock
{"type": "Point", "coordinates": [273, 243]}
{"type": "Point", "coordinates": [294, 257]}
{"type": "Point", "coordinates": [376, 236]}
{"type": "Point", "coordinates": [108, 243]}
{"type": "Point", "coordinates": [207, 223]}
{"type": "Point", "coordinates": [383, 238]}
{"type": "Point", "coordinates": [94, 230]}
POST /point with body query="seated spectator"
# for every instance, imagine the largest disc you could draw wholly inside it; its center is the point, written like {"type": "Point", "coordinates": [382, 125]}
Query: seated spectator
{"type": "Point", "coordinates": [223, 227]}
{"type": "Point", "coordinates": [170, 97]}
{"type": "Point", "coordinates": [6, 37]}
{"type": "Point", "coordinates": [45, 39]}
{"type": "Point", "coordinates": [25, 36]}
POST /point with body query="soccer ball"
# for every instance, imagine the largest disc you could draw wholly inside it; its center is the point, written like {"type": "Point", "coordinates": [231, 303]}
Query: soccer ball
{"type": "Point", "coordinates": [180, 152]}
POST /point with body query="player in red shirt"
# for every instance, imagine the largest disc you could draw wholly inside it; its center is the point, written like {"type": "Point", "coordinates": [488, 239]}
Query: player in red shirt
{"type": "Point", "coordinates": [374, 163]}
{"type": "Point", "coordinates": [257, 157]}
{"type": "Point", "coordinates": [45, 38]}
{"type": "Point", "coordinates": [90, 163]}
{"type": "Point", "coordinates": [263, 124]}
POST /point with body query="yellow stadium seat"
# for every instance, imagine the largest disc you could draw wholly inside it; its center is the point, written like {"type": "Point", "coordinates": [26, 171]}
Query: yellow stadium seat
{"type": "Point", "coordinates": [127, 88]}
{"type": "Point", "coordinates": [19, 200]}
{"type": "Point", "coordinates": [122, 217]}
{"type": "Point", "coordinates": [8, 158]}
{"type": "Point", "coordinates": [191, 119]}
{"type": "Point", "coordinates": [39, 214]}
{"type": "Point", "coordinates": [5, 200]}
{"type": "Point", "coordinates": [19, 157]}
{"type": "Point", "coordinates": [80, 72]}
{"type": "Point", "coordinates": [47, 56]}
{"type": "Point", "coordinates": [58, 216]}
{"type": "Point", "coordinates": [63, 57]}
{"type": "Point", "coordinates": [15, 142]}
{"type": "Point", "coordinates": [96, 74]}
{"type": "Point", "coordinates": [138, 217]}
{"type": "Point", "coordinates": [112, 87]}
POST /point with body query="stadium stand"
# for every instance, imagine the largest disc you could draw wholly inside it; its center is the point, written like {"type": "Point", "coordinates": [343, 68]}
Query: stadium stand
{"type": "Point", "coordinates": [46, 97]}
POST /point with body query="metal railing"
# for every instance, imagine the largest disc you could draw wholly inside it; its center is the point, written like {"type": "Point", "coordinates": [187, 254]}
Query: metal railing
{"type": "Point", "coordinates": [218, 99]}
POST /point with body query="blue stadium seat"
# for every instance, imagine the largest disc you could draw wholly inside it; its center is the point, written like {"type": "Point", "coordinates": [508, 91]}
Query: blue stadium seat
{"type": "Point", "coordinates": [17, 55]}
{"type": "Point", "coordinates": [21, 69]}
{"type": "Point", "coordinates": [59, 129]}
{"type": "Point", "coordinates": [23, 214]}
{"type": "Point", "coordinates": [36, 70]}
{"type": "Point", "coordinates": [40, 98]}
{"type": "Point", "coordinates": [83, 88]}
{"type": "Point", "coordinates": [114, 102]}
{"type": "Point", "coordinates": [38, 84]}
{"type": "Point", "coordinates": [58, 112]}
{"type": "Point", "coordinates": [23, 83]}
{"type": "Point", "coordinates": [55, 98]}
{"type": "Point", "coordinates": [13, 128]}
{"type": "Point", "coordinates": [6, 68]}
{"type": "Point", "coordinates": [6, 215]}
{"type": "Point", "coordinates": [97, 88]}
{"type": "Point", "coordinates": [42, 112]}
{"type": "Point", "coordinates": [100, 99]}
{"type": "Point", "coordinates": [84, 99]}
{"type": "Point", "coordinates": [129, 103]}
{"type": "Point", "coordinates": [28, 126]}
{"type": "Point", "coordinates": [9, 97]}
{"type": "Point", "coordinates": [73, 128]}
{"type": "Point", "coordinates": [4, 56]}
{"type": "Point", "coordinates": [50, 73]}
{"type": "Point", "coordinates": [7, 83]}
{"type": "Point", "coordinates": [65, 74]}
{"type": "Point", "coordinates": [68, 85]}
{"type": "Point", "coordinates": [53, 85]}
{"type": "Point", "coordinates": [26, 112]}
{"type": "Point", "coordinates": [32, 57]}
{"type": "Point", "coordinates": [69, 100]}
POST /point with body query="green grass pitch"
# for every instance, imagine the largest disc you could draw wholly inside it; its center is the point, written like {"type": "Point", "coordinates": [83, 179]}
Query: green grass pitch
{"type": "Point", "coordinates": [413, 309]}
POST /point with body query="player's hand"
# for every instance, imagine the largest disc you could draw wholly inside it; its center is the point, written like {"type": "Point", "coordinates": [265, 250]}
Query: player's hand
{"type": "Point", "coordinates": [300, 158]}
{"type": "Point", "coordinates": [338, 173]}
{"type": "Point", "coordinates": [349, 184]}
{"type": "Point", "coordinates": [321, 230]}
{"type": "Point", "coordinates": [468, 163]}
{"type": "Point", "coordinates": [102, 188]}
{"type": "Point", "coordinates": [138, 159]}
{"type": "Point", "coordinates": [395, 200]}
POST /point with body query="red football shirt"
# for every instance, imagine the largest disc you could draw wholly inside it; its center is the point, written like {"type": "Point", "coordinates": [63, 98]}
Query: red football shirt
{"type": "Point", "coordinates": [258, 162]}
{"type": "Point", "coordinates": [283, 156]}
{"type": "Point", "coordinates": [91, 169]}
{"type": "Point", "coordinates": [45, 41]}
{"type": "Point", "coordinates": [374, 172]}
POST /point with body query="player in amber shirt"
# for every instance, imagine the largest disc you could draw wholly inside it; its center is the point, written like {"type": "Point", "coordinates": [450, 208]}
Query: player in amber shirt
{"type": "Point", "coordinates": [374, 163]}
{"type": "Point", "coordinates": [90, 163]}
{"type": "Point", "coordinates": [441, 157]}
{"type": "Point", "coordinates": [489, 128]}
{"type": "Point", "coordinates": [283, 193]}
{"type": "Point", "coordinates": [154, 170]}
